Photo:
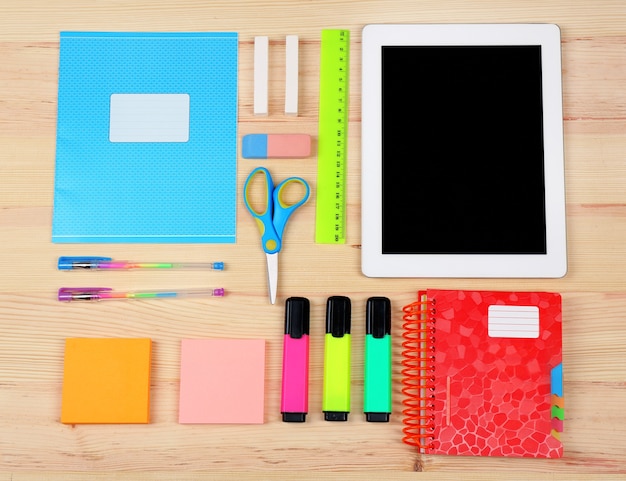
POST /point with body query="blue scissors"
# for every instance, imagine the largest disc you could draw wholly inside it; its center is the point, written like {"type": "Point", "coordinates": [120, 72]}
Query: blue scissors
{"type": "Point", "coordinates": [273, 218]}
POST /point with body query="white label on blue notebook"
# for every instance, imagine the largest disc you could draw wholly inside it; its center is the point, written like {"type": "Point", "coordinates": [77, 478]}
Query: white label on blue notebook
{"type": "Point", "coordinates": [513, 321]}
{"type": "Point", "coordinates": [149, 118]}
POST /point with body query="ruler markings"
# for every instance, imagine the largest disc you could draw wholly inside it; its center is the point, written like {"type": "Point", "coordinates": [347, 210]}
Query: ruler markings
{"type": "Point", "coordinates": [330, 216]}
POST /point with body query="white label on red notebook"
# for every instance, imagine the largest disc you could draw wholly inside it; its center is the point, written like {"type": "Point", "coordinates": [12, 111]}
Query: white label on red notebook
{"type": "Point", "coordinates": [513, 321]}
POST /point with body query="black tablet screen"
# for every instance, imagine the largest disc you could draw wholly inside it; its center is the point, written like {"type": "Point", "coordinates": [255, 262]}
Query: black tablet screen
{"type": "Point", "coordinates": [462, 150]}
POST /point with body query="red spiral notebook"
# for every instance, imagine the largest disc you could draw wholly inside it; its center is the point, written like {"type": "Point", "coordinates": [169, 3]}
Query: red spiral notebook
{"type": "Point", "coordinates": [482, 373]}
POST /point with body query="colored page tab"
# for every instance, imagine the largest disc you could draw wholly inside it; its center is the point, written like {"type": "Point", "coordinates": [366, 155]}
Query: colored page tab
{"type": "Point", "coordinates": [558, 401]}
{"type": "Point", "coordinates": [106, 381]}
{"type": "Point", "coordinates": [558, 413]}
{"type": "Point", "coordinates": [556, 377]}
{"type": "Point", "coordinates": [222, 381]}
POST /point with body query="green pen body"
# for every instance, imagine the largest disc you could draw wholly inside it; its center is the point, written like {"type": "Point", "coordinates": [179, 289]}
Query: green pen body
{"type": "Point", "coordinates": [337, 351]}
{"type": "Point", "coordinates": [377, 375]}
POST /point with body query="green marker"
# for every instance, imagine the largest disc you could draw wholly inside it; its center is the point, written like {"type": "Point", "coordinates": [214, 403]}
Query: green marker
{"type": "Point", "coordinates": [336, 388]}
{"type": "Point", "coordinates": [377, 384]}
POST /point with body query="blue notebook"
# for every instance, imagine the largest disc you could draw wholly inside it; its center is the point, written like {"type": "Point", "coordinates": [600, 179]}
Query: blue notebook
{"type": "Point", "coordinates": [146, 138]}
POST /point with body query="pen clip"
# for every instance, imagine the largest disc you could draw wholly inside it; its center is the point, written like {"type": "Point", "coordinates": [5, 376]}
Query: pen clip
{"type": "Point", "coordinates": [81, 293]}
{"type": "Point", "coordinates": [80, 262]}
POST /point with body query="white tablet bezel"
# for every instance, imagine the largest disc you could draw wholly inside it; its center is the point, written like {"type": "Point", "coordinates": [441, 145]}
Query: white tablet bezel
{"type": "Point", "coordinates": [376, 264]}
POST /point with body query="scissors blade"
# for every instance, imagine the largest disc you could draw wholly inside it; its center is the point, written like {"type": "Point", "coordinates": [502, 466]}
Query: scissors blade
{"type": "Point", "coordinates": [272, 275]}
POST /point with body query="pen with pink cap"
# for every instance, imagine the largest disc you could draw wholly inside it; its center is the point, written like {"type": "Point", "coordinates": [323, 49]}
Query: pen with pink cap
{"type": "Point", "coordinates": [69, 294]}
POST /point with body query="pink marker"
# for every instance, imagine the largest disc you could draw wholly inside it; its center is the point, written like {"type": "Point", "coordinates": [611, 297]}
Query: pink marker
{"type": "Point", "coordinates": [275, 146]}
{"type": "Point", "coordinates": [294, 402]}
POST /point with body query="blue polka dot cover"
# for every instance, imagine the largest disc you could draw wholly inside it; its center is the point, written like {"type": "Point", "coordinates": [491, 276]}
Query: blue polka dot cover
{"type": "Point", "coordinates": [146, 138]}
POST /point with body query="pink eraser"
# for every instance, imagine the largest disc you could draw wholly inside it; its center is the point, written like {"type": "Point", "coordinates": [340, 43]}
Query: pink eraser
{"type": "Point", "coordinates": [275, 146]}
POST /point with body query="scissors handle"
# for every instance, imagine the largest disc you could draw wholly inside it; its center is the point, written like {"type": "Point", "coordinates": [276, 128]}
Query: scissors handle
{"type": "Point", "coordinates": [273, 217]}
{"type": "Point", "coordinates": [283, 209]}
{"type": "Point", "coordinates": [270, 240]}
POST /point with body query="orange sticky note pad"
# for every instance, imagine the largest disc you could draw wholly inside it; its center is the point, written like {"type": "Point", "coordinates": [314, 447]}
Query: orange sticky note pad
{"type": "Point", "coordinates": [106, 381]}
{"type": "Point", "coordinates": [222, 381]}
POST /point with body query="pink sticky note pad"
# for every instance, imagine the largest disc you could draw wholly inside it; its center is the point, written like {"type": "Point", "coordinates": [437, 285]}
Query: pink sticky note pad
{"type": "Point", "coordinates": [222, 381]}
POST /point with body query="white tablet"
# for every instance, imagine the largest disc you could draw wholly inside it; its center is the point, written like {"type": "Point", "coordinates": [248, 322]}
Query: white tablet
{"type": "Point", "coordinates": [462, 151]}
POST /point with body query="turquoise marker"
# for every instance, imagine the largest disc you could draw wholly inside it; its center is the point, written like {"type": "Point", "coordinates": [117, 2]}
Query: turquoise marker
{"type": "Point", "coordinates": [377, 384]}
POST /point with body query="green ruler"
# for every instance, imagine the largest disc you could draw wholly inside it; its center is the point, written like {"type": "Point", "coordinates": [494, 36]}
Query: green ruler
{"type": "Point", "coordinates": [332, 151]}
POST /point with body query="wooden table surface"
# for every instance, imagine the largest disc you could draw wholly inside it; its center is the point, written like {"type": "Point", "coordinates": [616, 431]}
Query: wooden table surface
{"type": "Point", "coordinates": [33, 325]}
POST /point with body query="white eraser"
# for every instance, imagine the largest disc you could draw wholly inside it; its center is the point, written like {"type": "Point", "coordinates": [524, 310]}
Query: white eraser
{"type": "Point", "coordinates": [291, 75]}
{"type": "Point", "coordinates": [261, 59]}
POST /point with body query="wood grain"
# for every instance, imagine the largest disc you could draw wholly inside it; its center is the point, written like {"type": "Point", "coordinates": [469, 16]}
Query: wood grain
{"type": "Point", "coordinates": [33, 326]}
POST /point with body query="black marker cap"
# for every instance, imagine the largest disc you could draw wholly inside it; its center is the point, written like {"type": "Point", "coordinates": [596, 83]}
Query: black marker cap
{"type": "Point", "coordinates": [297, 315]}
{"type": "Point", "coordinates": [338, 316]}
{"type": "Point", "coordinates": [377, 417]}
{"type": "Point", "coordinates": [378, 317]}
{"type": "Point", "coordinates": [335, 416]}
{"type": "Point", "coordinates": [294, 417]}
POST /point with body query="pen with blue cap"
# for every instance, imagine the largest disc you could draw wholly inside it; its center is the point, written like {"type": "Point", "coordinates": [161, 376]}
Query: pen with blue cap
{"type": "Point", "coordinates": [66, 263]}
{"type": "Point", "coordinates": [377, 378]}
{"type": "Point", "coordinates": [336, 386]}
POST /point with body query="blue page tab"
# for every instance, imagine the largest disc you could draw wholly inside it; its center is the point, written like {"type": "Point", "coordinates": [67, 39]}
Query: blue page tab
{"type": "Point", "coordinates": [146, 138]}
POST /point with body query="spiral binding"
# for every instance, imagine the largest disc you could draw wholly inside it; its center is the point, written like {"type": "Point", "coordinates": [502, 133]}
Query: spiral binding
{"type": "Point", "coordinates": [418, 373]}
